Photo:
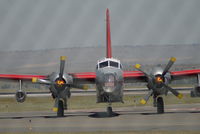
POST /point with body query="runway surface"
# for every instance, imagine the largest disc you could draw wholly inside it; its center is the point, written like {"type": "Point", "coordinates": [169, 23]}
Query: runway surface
{"type": "Point", "coordinates": [177, 117]}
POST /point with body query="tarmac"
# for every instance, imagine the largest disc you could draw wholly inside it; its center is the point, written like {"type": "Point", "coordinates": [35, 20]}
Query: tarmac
{"type": "Point", "coordinates": [144, 118]}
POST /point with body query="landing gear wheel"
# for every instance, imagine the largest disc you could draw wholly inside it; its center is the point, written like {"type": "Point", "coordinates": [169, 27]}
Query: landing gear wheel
{"type": "Point", "coordinates": [60, 112]}
{"type": "Point", "coordinates": [160, 105]}
{"type": "Point", "coordinates": [109, 111]}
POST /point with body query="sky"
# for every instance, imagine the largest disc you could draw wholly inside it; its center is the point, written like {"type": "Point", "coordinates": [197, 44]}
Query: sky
{"type": "Point", "coordinates": [50, 24]}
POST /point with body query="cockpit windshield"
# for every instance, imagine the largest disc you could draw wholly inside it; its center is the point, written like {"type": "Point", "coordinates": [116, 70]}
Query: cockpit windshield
{"type": "Point", "coordinates": [109, 63]}
{"type": "Point", "coordinates": [114, 64]}
{"type": "Point", "coordinates": [103, 64]}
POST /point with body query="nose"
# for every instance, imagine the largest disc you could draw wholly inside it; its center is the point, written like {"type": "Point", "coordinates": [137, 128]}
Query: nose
{"type": "Point", "coordinates": [109, 83]}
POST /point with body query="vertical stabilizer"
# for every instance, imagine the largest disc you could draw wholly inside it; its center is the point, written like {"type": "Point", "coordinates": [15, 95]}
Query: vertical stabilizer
{"type": "Point", "coordinates": [108, 36]}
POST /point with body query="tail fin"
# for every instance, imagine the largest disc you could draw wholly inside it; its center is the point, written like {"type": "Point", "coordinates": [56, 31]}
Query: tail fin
{"type": "Point", "coordinates": [108, 36]}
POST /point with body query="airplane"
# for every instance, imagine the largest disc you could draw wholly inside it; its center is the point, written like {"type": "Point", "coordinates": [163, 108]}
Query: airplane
{"type": "Point", "coordinates": [109, 79]}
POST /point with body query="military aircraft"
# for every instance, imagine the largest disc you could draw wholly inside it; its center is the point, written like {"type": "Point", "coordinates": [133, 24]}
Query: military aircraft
{"type": "Point", "coordinates": [109, 79]}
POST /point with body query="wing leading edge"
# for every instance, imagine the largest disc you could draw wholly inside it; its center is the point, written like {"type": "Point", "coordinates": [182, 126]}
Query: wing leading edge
{"type": "Point", "coordinates": [84, 77]}
{"type": "Point", "coordinates": [137, 76]}
{"type": "Point", "coordinates": [21, 76]}
{"type": "Point", "coordinates": [89, 77]}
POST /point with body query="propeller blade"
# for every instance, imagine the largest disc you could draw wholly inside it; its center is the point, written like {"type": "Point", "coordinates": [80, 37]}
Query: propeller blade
{"type": "Point", "coordinates": [62, 65]}
{"type": "Point", "coordinates": [55, 108]}
{"type": "Point", "coordinates": [146, 98]}
{"type": "Point", "coordinates": [138, 67]}
{"type": "Point", "coordinates": [42, 81]}
{"type": "Point", "coordinates": [83, 87]}
{"type": "Point", "coordinates": [176, 93]}
{"type": "Point", "coordinates": [169, 65]}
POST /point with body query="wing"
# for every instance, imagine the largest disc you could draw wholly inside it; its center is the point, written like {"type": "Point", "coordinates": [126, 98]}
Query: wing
{"type": "Point", "coordinates": [89, 77]}
{"type": "Point", "coordinates": [133, 76]}
{"type": "Point", "coordinates": [176, 75]}
{"type": "Point", "coordinates": [137, 76]}
{"type": "Point", "coordinates": [80, 78]}
{"type": "Point", "coordinates": [21, 77]}
{"type": "Point", "coordinates": [84, 77]}
{"type": "Point", "coordinates": [185, 73]}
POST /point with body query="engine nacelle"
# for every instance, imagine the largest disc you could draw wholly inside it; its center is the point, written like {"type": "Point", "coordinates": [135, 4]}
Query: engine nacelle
{"type": "Point", "coordinates": [195, 92]}
{"type": "Point", "coordinates": [20, 96]}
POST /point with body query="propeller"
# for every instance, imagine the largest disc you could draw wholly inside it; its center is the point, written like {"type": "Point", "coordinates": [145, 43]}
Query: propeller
{"type": "Point", "coordinates": [62, 66]}
{"type": "Point", "coordinates": [174, 92]}
{"type": "Point", "coordinates": [41, 81]}
{"type": "Point", "coordinates": [169, 65]}
{"type": "Point", "coordinates": [138, 67]}
{"type": "Point", "coordinates": [55, 107]}
{"type": "Point", "coordinates": [158, 81]}
{"type": "Point", "coordinates": [59, 82]}
{"type": "Point", "coordinates": [83, 87]}
{"type": "Point", "coordinates": [146, 98]}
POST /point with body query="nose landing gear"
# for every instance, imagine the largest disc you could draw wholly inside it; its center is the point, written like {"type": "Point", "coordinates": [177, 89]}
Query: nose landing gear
{"type": "Point", "coordinates": [109, 111]}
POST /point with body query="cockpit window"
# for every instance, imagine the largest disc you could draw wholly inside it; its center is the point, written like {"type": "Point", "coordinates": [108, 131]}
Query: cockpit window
{"type": "Point", "coordinates": [103, 64]}
{"type": "Point", "coordinates": [114, 64]}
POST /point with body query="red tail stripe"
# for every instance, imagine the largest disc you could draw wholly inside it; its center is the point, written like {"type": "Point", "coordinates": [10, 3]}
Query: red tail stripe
{"type": "Point", "coordinates": [108, 36]}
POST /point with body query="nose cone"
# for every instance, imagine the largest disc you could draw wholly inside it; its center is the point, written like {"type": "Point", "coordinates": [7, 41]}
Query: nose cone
{"type": "Point", "coordinates": [157, 71]}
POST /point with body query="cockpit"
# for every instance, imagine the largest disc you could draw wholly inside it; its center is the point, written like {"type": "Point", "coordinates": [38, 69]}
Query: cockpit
{"type": "Point", "coordinates": [109, 62]}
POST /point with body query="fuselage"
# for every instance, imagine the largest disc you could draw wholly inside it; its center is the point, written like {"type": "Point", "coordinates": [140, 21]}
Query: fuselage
{"type": "Point", "coordinates": [109, 80]}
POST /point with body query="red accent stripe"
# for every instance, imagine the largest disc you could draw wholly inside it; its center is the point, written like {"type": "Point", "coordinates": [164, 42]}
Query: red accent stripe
{"type": "Point", "coordinates": [18, 76]}
{"type": "Point", "coordinates": [108, 35]}
{"type": "Point", "coordinates": [186, 72]}
{"type": "Point", "coordinates": [85, 75]}
{"type": "Point", "coordinates": [132, 74]}
{"type": "Point", "coordinates": [174, 73]}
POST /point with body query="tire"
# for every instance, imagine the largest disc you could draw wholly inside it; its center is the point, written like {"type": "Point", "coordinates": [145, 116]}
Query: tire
{"type": "Point", "coordinates": [160, 105]}
{"type": "Point", "coordinates": [109, 111]}
{"type": "Point", "coordinates": [60, 112]}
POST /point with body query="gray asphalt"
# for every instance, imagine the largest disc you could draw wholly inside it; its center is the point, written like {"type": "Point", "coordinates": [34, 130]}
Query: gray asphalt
{"type": "Point", "coordinates": [177, 117]}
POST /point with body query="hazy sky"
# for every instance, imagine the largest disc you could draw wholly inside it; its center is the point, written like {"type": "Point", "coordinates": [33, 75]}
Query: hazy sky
{"type": "Point", "coordinates": [42, 24]}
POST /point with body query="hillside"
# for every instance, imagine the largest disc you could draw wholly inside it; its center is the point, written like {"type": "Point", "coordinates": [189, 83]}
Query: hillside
{"type": "Point", "coordinates": [84, 59]}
